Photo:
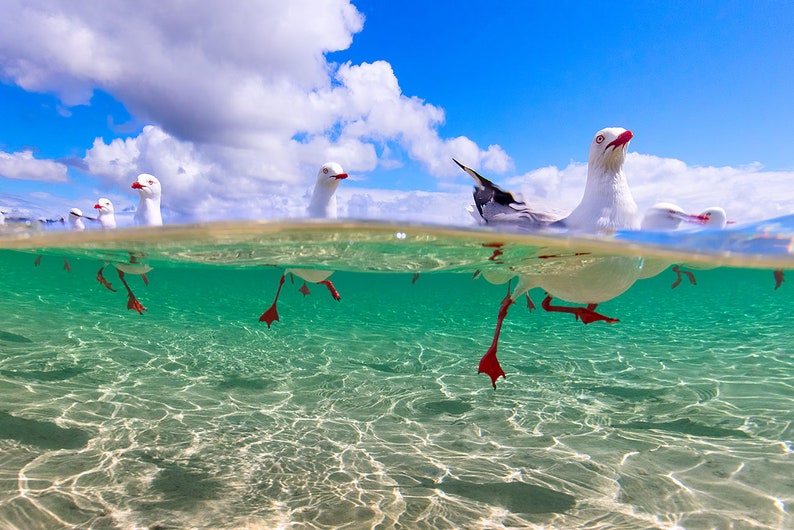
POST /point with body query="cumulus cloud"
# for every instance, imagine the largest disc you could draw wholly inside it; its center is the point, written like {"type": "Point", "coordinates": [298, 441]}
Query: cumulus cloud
{"type": "Point", "coordinates": [241, 101]}
{"type": "Point", "coordinates": [24, 166]}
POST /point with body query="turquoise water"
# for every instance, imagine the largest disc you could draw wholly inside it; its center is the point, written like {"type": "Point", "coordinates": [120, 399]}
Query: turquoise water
{"type": "Point", "coordinates": [369, 412]}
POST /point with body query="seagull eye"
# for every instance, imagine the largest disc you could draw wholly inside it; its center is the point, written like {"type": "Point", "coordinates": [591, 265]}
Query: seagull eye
{"type": "Point", "coordinates": [325, 170]}
{"type": "Point", "coordinates": [599, 138]}
{"type": "Point", "coordinates": [151, 182]}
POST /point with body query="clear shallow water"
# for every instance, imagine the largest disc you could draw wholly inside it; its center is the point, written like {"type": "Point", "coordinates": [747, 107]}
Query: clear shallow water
{"type": "Point", "coordinates": [369, 412]}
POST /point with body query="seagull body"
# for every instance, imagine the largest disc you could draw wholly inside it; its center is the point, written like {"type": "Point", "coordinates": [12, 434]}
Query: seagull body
{"type": "Point", "coordinates": [149, 189]}
{"type": "Point", "coordinates": [107, 216]}
{"type": "Point", "coordinates": [322, 206]}
{"type": "Point", "coordinates": [76, 219]}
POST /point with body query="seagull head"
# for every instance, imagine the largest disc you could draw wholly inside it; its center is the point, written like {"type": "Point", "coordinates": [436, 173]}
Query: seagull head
{"type": "Point", "coordinates": [104, 206]}
{"type": "Point", "coordinates": [608, 150]}
{"type": "Point", "coordinates": [75, 213]}
{"type": "Point", "coordinates": [330, 175]}
{"type": "Point", "coordinates": [667, 216]}
{"type": "Point", "coordinates": [147, 185]}
{"type": "Point", "coordinates": [714, 217]}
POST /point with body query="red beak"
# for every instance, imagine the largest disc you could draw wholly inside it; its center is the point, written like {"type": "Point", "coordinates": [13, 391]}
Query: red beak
{"type": "Point", "coordinates": [137, 185]}
{"type": "Point", "coordinates": [97, 206]}
{"type": "Point", "coordinates": [621, 140]}
{"type": "Point", "coordinates": [341, 176]}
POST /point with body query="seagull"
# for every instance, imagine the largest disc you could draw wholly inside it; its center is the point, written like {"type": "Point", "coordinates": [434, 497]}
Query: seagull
{"type": "Point", "coordinates": [713, 218]}
{"type": "Point", "coordinates": [322, 205]}
{"type": "Point", "coordinates": [76, 219]}
{"type": "Point", "coordinates": [106, 215]}
{"type": "Point", "coordinates": [664, 217]}
{"type": "Point", "coordinates": [606, 205]}
{"type": "Point", "coordinates": [148, 212]}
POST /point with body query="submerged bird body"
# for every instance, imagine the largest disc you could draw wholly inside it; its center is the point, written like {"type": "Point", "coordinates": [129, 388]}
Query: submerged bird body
{"type": "Point", "coordinates": [149, 189]}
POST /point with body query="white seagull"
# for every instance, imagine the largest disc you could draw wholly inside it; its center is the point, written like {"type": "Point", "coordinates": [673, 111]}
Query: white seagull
{"type": "Point", "coordinates": [106, 217]}
{"type": "Point", "coordinates": [322, 205]}
{"type": "Point", "coordinates": [606, 205]}
{"type": "Point", "coordinates": [663, 217]}
{"type": "Point", "coordinates": [607, 202]}
{"type": "Point", "coordinates": [76, 219]}
{"type": "Point", "coordinates": [149, 189]}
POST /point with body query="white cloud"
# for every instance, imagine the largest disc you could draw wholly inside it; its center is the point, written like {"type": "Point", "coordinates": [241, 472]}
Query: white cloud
{"type": "Point", "coordinates": [244, 96]}
{"type": "Point", "coordinates": [23, 166]}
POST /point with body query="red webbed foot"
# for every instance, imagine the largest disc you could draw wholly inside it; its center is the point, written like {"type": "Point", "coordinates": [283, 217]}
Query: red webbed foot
{"type": "Point", "coordinates": [101, 279]}
{"type": "Point", "coordinates": [66, 265]}
{"type": "Point", "coordinates": [271, 314]}
{"type": "Point", "coordinates": [530, 304]}
{"type": "Point", "coordinates": [132, 301]}
{"type": "Point", "coordinates": [778, 278]}
{"type": "Point", "coordinates": [489, 364]}
{"type": "Point", "coordinates": [304, 289]}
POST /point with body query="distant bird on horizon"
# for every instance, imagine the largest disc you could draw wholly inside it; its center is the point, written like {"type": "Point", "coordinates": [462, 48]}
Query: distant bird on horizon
{"type": "Point", "coordinates": [322, 205]}
{"type": "Point", "coordinates": [149, 189]}
{"type": "Point", "coordinates": [607, 204]}
{"type": "Point", "coordinates": [107, 216]}
{"type": "Point", "coordinates": [76, 219]}
{"type": "Point", "coordinates": [664, 217]}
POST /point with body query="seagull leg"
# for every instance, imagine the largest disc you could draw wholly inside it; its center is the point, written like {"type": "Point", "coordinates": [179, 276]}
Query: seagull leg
{"type": "Point", "coordinates": [145, 279]}
{"type": "Point", "coordinates": [489, 364]}
{"type": "Point", "coordinates": [101, 279]}
{"type": "Point", "coordinates": [132, 302]}
{"type": "Point", "coordinates": [586, 314]}
{"type": "Point", "coordinates": [415, 277]}
{"type": "Point", "coordinates": [331, 289]}
{"type": "Point", "coordinates": [271, 315]}
{"type": "Point", "coordinates": [66, 265]}
{"type": "Point", "coordinates": [778, 278]}
{"type": "Point", "coordinates": [677, 270]}
{"type": "Point", "coordinates": [37, 261]}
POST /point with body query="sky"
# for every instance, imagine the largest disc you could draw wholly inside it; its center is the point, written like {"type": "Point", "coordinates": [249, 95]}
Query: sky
{"type": "Point", "coordinates": [235, 106]}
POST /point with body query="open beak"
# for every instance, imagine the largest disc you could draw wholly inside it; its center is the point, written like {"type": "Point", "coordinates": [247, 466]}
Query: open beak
{"type": "Point", "coordinates": [98, 207]}
{"type": "Point", "coordinates": [137, 185]}
{"type": "Point", "coordinates": [623, 139]}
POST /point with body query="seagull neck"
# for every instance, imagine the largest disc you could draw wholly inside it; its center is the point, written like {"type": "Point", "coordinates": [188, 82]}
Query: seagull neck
{"type": "Point", "coordinates": [607, 203]}
{"type": "Point", "coordinates": [323, 203]}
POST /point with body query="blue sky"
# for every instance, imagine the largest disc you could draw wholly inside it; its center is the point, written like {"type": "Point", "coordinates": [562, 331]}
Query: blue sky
{"type": "Point", "coordinates": [234, 110]}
